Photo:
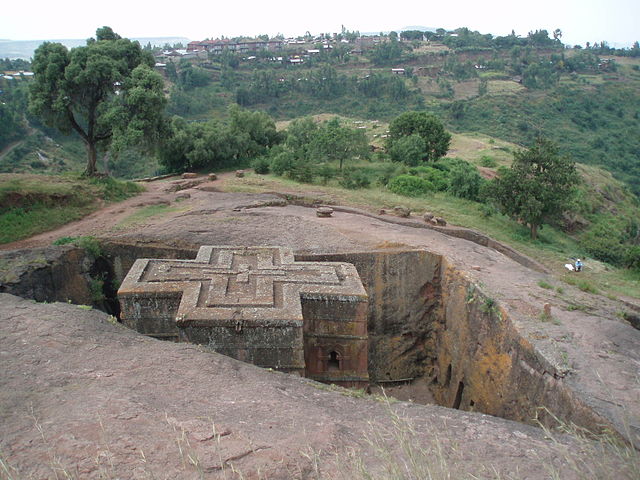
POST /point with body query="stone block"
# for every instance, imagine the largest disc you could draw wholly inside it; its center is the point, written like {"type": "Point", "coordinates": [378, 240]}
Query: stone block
{"type": "Point", "coordinates": [324, 212]}
{"type": "Point", "coordinates": [212, 177]}
{"type": "Point", "coordinates": [402, 211]}
{"type": "Point", "coordinates": [256, 304]}
{"type": "Point", "coordinates": [189, 175]}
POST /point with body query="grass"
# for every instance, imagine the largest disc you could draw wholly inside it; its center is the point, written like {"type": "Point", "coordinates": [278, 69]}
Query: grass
{"type": "Point", "coordinates": [581, 308]}
{"type": "Point", "coordinates": [474, 146]}
{"type": "Point", "coordinates": [22, 223]}
{"type": "Point", "coordinates": [90, 244]}
{"type": "Point", "coordinates": [545, 285]}
{"type": "Point", "coordinates": [610, 456]}
{"type": "Point", "coordinates": [32, 204]}
{"type": "Point", "coordinates": [582, 284]}
{"type": "Point", "coordinates": [547, 317]}
{"type": "Point", "coordinates": [144, 213]}
{"type": "Point", "coordinates": [503, 87]}
{"type": "Point", "coordinates": [552, 248]}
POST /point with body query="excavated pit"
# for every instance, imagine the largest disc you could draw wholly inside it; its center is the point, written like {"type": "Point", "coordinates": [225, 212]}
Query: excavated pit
{"type": "Point", "coordinates": [433, 335]}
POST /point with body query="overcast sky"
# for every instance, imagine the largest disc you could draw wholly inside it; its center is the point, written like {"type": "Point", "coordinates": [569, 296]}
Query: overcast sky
{"type": "Point", "coordinates": [616, 21]}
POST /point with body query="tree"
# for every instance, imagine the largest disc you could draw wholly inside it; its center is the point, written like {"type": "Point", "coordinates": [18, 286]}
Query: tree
{"type": "Point", "coordinates": [465, 181]}
{"type": "Point", "coordinates": [335, 142]}
{"type": "Point", "coordinates": [540, 38]}
{"type": "Point", "coordinates": [408, 150]}
{"type": "Point", "coordinates": [538, 186]}
{"type": "Point", "coordinates": [106, 91]}
{"type": "Point", "coordinates": [300, 134]}
{"type": "Point", "coordinates": [412, 35]}
{"type": "Point", "coordinates": [12, 107]}
{"type": "Point", "coordinates": [256, 131]}
{"type": "Point", "coordinates": [386, 53]}
{"type": "Point", "coordinates": [428, 127]}
{"type": "Point", "coordinates": [557, 35]}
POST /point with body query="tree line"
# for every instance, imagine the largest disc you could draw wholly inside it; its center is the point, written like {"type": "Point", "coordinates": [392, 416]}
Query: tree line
{"type": "Point", "coordinates": [107, 93]}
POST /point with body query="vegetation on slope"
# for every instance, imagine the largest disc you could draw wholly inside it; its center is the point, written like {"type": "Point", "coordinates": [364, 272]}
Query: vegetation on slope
{"type": "Point", "coordinates": [31, 204]}
{"type": "Point", "coordinates": [507, 90]}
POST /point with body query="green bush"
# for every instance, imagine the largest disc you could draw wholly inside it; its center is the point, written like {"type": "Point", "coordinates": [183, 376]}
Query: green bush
{"type": "Point", "coordinates": [90, 244]}
{"type": "Point", "coordinates": [326, 172]}
{"type": "Point", "coordinates": [632, 258]}
{"type": "Point", "coordinates": [302, 171]}
{"type": "Point", "coordinates": [354, 179]}
{"type": "Point", "coordinates": [465, 181]}
{"type": "Point", "coordinates": [438, 177]}
{"type": "Point", "coordinates": [488, 209]}
{"type": "Point", "coordinates": [261, 165]}
{"type": "Point", "coordinates": [487, 161]}
{"type": "Point", "coordinates": [282, 162]}
{"type": "Point", "coordinates": [410, 186]}
{"type": "Point", "coordinates": [388, 171]}
{"type": "Point", "coordinates": [602, 243]}
{"type": "Point", "coordinates": [115, 190]}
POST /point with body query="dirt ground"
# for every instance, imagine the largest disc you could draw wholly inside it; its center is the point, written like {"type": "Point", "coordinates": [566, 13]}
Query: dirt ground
{"type": "Point", "coordinates": [597, 352]}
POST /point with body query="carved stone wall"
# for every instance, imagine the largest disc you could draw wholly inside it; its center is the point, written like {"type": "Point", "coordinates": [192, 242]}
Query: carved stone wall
{"type": "Point", "coordinates": [256, 304]}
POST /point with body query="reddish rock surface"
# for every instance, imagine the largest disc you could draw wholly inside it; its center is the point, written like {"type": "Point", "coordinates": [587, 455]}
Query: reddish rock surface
{"type": "Point", "coordinates": [84, 398]}
{"type": "Point", "coordinates": [64, 373]}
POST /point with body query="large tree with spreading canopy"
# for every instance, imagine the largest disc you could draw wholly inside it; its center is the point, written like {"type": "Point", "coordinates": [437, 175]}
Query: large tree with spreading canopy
{"type": "Point", "coordinates": [106, 92]}
{"type": "Point", "coordinates": [538, 187]}
{"type": "Point", "coordinates": [420, 131]}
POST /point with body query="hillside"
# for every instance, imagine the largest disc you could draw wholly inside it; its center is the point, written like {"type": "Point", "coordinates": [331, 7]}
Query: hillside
{"type": "Point", "coordinates": [495, 94]}
{"type": "Point", "coordinates": [510, 88]}
{"type": "Point", "coordinates": [31, 204]}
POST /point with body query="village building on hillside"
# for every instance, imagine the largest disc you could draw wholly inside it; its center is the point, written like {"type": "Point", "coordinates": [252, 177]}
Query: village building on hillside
{"type": "Point", "coordinates": [17, 75]}
{"type": "Point", "coordinates": [176, 55]}
{"type": "Point", "coordinates": [218, 46]}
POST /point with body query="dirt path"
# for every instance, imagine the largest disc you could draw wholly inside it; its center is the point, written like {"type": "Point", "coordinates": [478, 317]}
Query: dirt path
{"type": "Point", "coordinates": [162, 192]}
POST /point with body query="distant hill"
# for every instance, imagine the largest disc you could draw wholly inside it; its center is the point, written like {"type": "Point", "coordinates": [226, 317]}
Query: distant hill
{"type": "Point", "coordinates": [24, 49]}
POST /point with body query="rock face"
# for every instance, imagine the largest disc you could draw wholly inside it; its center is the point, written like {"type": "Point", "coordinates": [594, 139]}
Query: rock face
{"type": "Point", "coordinates": [499, 372]}
{"type": "Point", "coordinates": [403, 288]}
{"type": "Point", "coordinates": [426, 319]}
{"type": "Point", "coordinates": [258, 305]}
{"type": "Point", "coordinates": [57, 273]}
{"type": "Point", "coordinates": [83, 395]}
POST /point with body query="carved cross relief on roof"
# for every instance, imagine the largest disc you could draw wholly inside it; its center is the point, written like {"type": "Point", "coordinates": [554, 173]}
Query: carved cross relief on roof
{"type": "Point", "coordinates": [263, 284]}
